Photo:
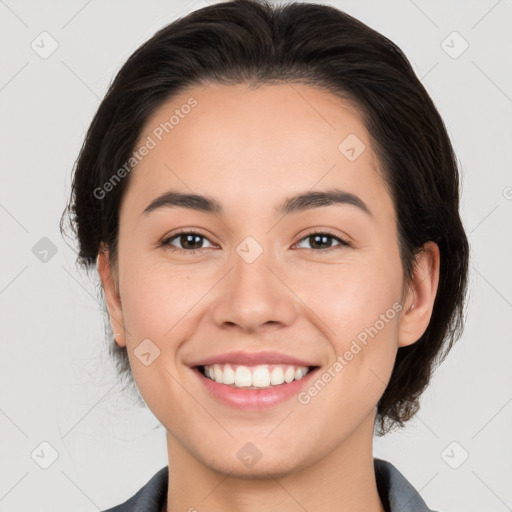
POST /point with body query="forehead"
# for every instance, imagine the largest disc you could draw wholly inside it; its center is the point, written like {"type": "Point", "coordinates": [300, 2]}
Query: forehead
{"type": "Point", "coordinates": [244, 144]}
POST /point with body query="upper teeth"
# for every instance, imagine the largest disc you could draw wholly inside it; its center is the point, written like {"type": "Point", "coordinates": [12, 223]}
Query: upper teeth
{"type": "Point", "coordinates": [261, 376]}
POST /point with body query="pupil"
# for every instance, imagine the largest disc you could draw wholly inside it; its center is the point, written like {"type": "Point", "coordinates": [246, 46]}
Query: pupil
{"type": "Point", "coordinates": [187, 238]}
{"type": "Point", "coordinates": [323, 239]}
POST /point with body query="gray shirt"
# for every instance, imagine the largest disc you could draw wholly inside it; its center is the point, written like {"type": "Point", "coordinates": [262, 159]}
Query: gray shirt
{"type": "Point", "coordinates": [396, 493]}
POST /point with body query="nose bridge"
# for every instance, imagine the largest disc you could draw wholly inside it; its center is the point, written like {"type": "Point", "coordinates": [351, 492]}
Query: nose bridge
{"type": "Point", "coordinates": [252, 293]}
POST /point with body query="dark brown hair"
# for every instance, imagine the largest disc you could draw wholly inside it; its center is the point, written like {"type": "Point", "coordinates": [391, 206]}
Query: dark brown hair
{"type": "Point", "coordinates": [254, 42]}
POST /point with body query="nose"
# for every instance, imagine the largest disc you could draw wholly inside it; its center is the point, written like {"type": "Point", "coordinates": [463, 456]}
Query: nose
{"type": "Point", "coordinates": [254, 296]}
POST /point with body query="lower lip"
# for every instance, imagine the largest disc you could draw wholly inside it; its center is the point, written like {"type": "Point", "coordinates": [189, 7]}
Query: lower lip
{"type": "Point", "coordinates": [254, 399]}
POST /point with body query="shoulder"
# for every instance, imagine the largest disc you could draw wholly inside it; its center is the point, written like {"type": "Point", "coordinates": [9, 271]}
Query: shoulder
{"type": "Point", "coordinates": [150, 497]}
{"type": "Point", "coordinates": [395, 491]}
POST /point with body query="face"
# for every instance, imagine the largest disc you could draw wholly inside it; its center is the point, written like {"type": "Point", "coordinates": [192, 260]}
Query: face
{"type": "Point", "coordinates": [320, 280]}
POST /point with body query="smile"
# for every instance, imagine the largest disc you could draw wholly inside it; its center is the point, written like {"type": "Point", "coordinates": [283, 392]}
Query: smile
{"type": "Point", "coordinates": [254, 377]}
{"type": "Point", "coordinates": [254, 388]}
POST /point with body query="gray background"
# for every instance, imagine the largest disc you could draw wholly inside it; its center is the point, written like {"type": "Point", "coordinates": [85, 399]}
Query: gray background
{"type": "Point", "coordinates": [57, 384]}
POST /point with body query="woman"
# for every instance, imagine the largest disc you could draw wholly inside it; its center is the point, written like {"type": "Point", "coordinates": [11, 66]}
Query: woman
{"type": "Point", "coordinates": [272, 203]}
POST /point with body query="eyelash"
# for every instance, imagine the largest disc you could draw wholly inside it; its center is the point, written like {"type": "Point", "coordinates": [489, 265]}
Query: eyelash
{"type": "Point", "coordinates": [165, 243]}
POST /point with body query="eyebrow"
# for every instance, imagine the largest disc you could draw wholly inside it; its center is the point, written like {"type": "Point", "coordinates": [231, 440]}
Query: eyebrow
{"type": "Point", "coordinates": [297, 203]}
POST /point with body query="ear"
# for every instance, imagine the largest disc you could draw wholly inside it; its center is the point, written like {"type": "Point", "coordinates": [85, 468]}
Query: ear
{"type": "Point", "coordinates": [109, 281]}
{"type": "Point", "coordinates": [420, 295]}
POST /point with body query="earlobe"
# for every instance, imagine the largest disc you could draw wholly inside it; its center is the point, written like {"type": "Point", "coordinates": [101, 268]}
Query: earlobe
{"type": "Point", "coordinates": [419, 301]}
{"type": "Point", "coordinates": [112, 297]}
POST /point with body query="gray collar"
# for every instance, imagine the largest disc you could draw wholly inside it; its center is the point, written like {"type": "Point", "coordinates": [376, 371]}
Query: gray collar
{"type": "Point", "coordinates": [395, 491]}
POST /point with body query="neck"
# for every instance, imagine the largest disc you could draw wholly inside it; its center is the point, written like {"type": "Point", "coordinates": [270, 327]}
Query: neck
{"type": "Point", "coordinates": [342, 480]}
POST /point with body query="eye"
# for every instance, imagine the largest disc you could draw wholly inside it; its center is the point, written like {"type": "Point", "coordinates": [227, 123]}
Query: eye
{"type": "Point", "coordinates": [323, 238]}
{"type": "Point", "coordinates": [189, 239]}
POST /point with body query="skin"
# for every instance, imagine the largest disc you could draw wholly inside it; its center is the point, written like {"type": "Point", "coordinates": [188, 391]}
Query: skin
{"type": "Point", "coordinates": [251, 148]}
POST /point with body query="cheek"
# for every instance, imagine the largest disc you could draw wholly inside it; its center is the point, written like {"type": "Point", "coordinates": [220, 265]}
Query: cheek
{"type": "Point", "coordinates": [161, 303]}
{"type": "Point", "coordinates": [359, 316]}
{"type": "Point", "coordinates": [349, 296]}
{"type": "Point", "coordinates": [157, 297]}
{"type": "Point", "coordinates": [357, 307]}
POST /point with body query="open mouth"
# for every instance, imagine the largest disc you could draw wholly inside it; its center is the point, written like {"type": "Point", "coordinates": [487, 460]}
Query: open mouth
{"type": "Point", "coordinates": [254, 377]}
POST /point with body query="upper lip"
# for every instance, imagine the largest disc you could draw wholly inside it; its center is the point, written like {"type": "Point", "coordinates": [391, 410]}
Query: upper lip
{"type": "Point", "coordinates": [252, 358]}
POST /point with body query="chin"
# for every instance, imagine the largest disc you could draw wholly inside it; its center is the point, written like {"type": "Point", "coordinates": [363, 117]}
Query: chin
{"type": "Point", "coordinates": [264, 468]}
